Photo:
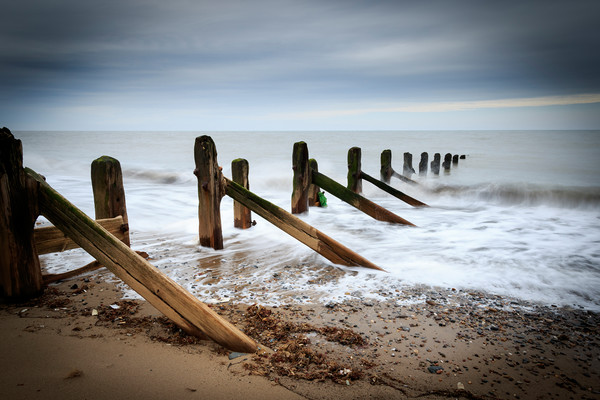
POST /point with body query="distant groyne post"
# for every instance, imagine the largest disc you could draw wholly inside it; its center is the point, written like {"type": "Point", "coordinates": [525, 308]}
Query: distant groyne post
{"type": "Point", "coordinates": [435, 164]}
{"type": "Point", "coordinates": [20, 271]}
{"type": "Point", "coordinates": [301, 178]}
{"type": "Point", "coordinates": [386, 170]}
{"type": "Point", "coordinates": [447, 162]}
{"type": "Point", "coordinates": [407, 167]}
{"type": "Point", "coordinates": [313, 190]}
{"type": "Point", "coordinates": [242, 216]}
{"type": "Point", "coordinates": [354, 167]}
{"type": "Point", "coordinates": [455, 159]}
{"type": "Point", "coordinates": [211, 189]}
{"type": "Point", "coordinates": [109, 193]}
{"type": "Point", "coordinates": [423, 163]}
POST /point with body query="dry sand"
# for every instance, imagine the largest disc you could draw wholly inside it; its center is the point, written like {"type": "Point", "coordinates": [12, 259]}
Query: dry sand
{"type": "Point", "coordinates": [452, 345]}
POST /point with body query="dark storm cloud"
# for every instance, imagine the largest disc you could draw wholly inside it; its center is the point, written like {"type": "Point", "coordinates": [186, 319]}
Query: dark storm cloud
{"type": "Point", "coordinates": [313, 51]}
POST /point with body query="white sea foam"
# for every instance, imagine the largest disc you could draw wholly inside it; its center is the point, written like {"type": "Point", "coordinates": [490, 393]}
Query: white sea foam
{"type": "Point", "coordinates": [519, 217]}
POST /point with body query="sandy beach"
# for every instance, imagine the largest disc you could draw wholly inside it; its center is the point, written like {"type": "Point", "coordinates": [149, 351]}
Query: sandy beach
{"type": "Point", "coordinates": [81, 340]}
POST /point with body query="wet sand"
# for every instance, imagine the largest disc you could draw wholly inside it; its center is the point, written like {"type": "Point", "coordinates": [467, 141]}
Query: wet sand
{"type": "Point", "coordinates": [448, 344]}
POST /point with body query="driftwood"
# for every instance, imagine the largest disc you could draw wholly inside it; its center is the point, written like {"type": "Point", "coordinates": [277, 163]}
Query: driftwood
{"type": "Point", "coordinates": [162, 292]}
{"type": "Point", "coordinates": [20, 271]}
{"type": "Point", "coordinates": [50, 239]}
{"type": "Point", "coordinates": [298, 229]}
{"type": "Point", "coordinates": [356, 200]}
{"type": "Point", "coordinates": [393, 191]}
{"type": "Point", "coordinates": [242, 217]}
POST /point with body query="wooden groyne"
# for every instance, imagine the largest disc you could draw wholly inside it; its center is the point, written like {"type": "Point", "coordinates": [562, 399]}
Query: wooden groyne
{"type": "Point", "coordinates": [387, 171]}
{"type": "Point", "coordinates": [355, 169]}
{"type": "Point", "coordinates": [24, 194]}
{"type": "Point", "coordinates": [346, 194]}
{"type": "Point", "coordinates": [212, 185]}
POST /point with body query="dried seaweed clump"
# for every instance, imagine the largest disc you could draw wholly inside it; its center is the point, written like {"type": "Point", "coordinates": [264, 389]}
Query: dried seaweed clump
{"type": "Point", "coordinates": [293, 355]}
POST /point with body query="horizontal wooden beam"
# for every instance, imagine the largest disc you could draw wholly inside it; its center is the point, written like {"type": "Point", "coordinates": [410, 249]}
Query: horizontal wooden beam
{"type": "Point", "coordinates": [50, 239]}
{"type": "Point", "coordinates": [298, 229]}
{"type": "Point", "coordinates": [356, 200]}
{"type": "Point", "coordinates": [161, 291]}
{"type": "Point", "coordinates": [393, 191]}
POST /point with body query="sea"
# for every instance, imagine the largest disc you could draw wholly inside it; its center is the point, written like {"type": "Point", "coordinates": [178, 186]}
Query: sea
{"type": "Point", "coordinates": [518, 217]}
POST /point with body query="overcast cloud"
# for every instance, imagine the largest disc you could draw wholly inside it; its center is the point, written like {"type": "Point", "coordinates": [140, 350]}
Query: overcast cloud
{"type": "Point", "coordinates": [252, 65]}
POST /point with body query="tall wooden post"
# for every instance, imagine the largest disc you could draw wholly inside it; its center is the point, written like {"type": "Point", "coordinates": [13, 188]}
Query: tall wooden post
{"type": "Point", "coordinates": [211, 189]}
{"type": "Point", "coordinates": [313, 190]}
{"type": "Point", "coordinates": [242, 216]}
{"type": "Point", "coordinates": [386, 166]}
{"type": "Point", "coordinates": [435, 164]}
{"type": "Point", "coordinates": [20, 272]}
{"type": "Point", "coordinates": [447, 162]}
{"type": "Point", "coordinates": [354, 167]}
{"type": "Point", "coordinates": [109, 194]}
{"type": "Point", "coordinates": [301, 178]}
{"type": "Point", "coordinates": [455, 159]}
{"type": "Point", "coordinates": [423, 163]}
{"type": "Point", "coordinates": [407, 168]}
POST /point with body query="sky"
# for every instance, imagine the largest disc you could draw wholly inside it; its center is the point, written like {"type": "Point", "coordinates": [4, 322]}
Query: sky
{"type": "Point", "coordinates": [299, 65]}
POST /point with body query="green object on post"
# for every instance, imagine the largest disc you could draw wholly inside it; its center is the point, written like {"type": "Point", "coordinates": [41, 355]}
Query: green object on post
{"type": "Point", "coordinates": [322, 199]}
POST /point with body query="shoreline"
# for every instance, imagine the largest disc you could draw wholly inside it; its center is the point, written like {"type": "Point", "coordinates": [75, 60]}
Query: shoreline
{"type": "Point", "coordinates": [448, 344]}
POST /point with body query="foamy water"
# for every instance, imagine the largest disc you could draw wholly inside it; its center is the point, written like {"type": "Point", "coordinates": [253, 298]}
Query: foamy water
{"type": "Point", "coordinates": [519, 217]}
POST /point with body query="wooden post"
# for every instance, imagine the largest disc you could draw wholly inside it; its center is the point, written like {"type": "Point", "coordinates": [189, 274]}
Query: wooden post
{"type": "Point", "coordinates": [462, 157]}
{"type": "Point", "coordinates": [210, 192]}
{"type": "Point", "coordinates": [407, 168]}
{"type": "Point", "coordinates": [109, 194]}
{"type": "Point", "coordinates": [301, 178]}
{"type": "Point", "coordinates": [356, 200]}
{"type": "Point", "coordinates": [298, 229]}
{"type": "Point", "coordinates": [20, 272]}
{"type": "Point", "coordinates": [447, 162]}
{"type": "Point", "coordinates": [435, 164]}
{"type": "Point", "coordinates": [394, 192]}
{"type": "Point", "coordinates": [162, 292]}
{"type": "Point", "coordinates": [423, 163]}
{"type": "Point", "coordinates": [242, 217]}
{"type": "Point", "coordinates": [455, 159]}
{"type": "Point", "coordinates": [354, 167]}
{"type": "Point", "coordinates": [386, 166]}
{"type": "Point", "coordinates": [313, 190]}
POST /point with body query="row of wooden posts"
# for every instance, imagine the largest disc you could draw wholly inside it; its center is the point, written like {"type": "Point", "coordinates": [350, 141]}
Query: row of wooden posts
{"type": "Point", "coordinates": [25, 195]}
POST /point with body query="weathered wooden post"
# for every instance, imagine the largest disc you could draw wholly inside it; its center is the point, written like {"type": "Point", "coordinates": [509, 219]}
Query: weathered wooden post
{"type": "Point", "coordinates": [447, 162]}
{"type": "Point", "coordinates": [354, 166]}
{"type": "Point", "coordinates": [386, 166]}
{"type": "Point", "coordinates": [423, 163]}
{"type": "Point", "coordinates": [435, 164]}
{"type": "Point", "coordinates": [109, 194]}
{"type": "Point", "coordinates": [20, 272]}
{"type": "Point", "coordinates": [313, 190]}
{"type": "Point", "coordinates": [211, 189]}
{"type": "Point", "coordinates": [407, 168]}
{"type": "Point", "coordinates": [301, 178]}
{"type": "Point", "coordinates": [455, 159]}
{"type": "Point", "coordinates": [242, 216]}
{"type": "Point", "coordinates": [462, 157]}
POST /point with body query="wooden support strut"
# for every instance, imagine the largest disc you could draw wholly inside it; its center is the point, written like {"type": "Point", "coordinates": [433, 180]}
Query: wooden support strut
{"type": "Point", "coordinates": [159, 290]}
{"type": "Point", "coordinates": [109, 193]}
{"type": "Point", "coordinates": [210, 193]}
{"type": "Point", "coordinates": [298, 229]}
{"type": "Point", "coordinates": [393, 191]}
{"type": "Point", "coordinates": [242, 217]}
{"type": "Point", "coordinates": [313, 190]}
{"type": "Point", "coordinates": [301, 179]}
{"type": "Point", "coordinates": [20, 271]}
{"type": "Point", "coordinates": [356, 200]}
